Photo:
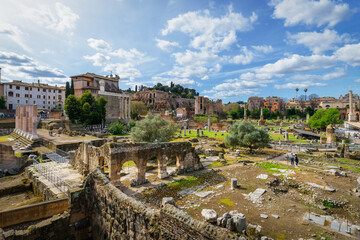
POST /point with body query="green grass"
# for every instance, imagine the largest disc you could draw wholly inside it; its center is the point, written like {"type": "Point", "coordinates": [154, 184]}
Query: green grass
{"type": "Point", "coordinates": [4, 138]}
{"type": "Point", "coordinates": [122, 135]}
{"type": "Point", "coordinates": [268, 166]}
{"type": "Point", "coordinates": [292, 138]}
{"type": "Point", "coordinates": [215, 164]}
{"type": "Point", "coordinates": [326, 203]}
{"type": "Point", "coordinates": [227, 202]}
{"type": "Point", "coordinates": [206, 133]}
{"type": "Point", "coordinates": [184, 182]}
{"type": "Point", "coordinates": [346, 160]}
{"type": "Point", "coordinates": [128, 164]}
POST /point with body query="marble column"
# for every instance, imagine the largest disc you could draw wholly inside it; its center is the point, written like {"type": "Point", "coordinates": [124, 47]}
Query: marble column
{"type": "Point", "coordinates": [129, 108]}
{"type": "Point", "coordinates": [126, 107]}
{"type": "Point", "coordinates": [209, 123]}
{"type": "Point", "coordinates": [121, 107]}
{"type": "Point", "coordinates": [351, 117]}
{"type": "Point", "coordinates": [17, 118]}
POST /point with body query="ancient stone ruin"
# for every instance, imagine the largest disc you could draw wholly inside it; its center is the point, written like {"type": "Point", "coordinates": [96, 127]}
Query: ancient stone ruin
{"type": "Point", "coordinates": [26, 121]}
{"type": "Point", "coordinates": [113, 155]}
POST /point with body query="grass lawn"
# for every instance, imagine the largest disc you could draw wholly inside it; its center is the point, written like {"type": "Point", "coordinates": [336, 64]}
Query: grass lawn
{"type": "Point", "coordinates": [119, 135]}
{"type": "Point", "coordinates": [292, 138]}
{"type": "Point", "coordinates": [206, 133]}
{"type": "Point", "coordinates": [4, 138]}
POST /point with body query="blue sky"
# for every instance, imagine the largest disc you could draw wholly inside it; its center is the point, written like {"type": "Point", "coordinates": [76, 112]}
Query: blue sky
{"type": "Point", "coordinates": [225, 49]}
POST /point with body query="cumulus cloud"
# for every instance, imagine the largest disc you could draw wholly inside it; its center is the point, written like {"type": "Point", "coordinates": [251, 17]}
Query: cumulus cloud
{"type": "Point", "coordinates": [350, 54]}
{"type": "Point", "coordinates": [319, 42]}
{"type": "Point", "coordinates": [182, 81]}
{"type": "Point", "coordinates": [338, 73]}
{"type": "Point", "coordinates": [296, 63]}
{"type": "Point", "coordinates": [210, 32]}
{"type": "Point", "coordinates": [14, 33]}
{"type": "Point", "coordinates": [263, 48]}
{"type": "Point", "coordinates": [294, 85]}
{"type": "Point", "coordinates": [16, 66]}
{"type": "Point", "coordinates": [166, 45]}
{"type": "Point", "coordinates": [58, 17]}
{"type": "Point", "coordinates": [245, 58]}
{"type": "Point", "coordinates": [99, 45]}
{"type": "Point", "coordinates": [120, 61]}
{"type": "Point", "coordinates": [309, 12]}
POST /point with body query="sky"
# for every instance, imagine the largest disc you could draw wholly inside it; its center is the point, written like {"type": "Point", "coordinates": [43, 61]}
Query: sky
{"type": "Point", "coordinates": [228, 50]}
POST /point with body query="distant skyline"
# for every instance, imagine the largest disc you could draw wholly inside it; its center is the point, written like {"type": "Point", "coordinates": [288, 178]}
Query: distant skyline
{"type": "Point", "coordinates": [224, 49]}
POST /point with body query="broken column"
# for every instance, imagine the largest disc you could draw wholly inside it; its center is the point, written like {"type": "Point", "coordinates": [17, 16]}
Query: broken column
{"type": "Point", "coordinates": [245, 116]}
{"type": "Point", "coordinates": [330, 134]}
{"type": "Point", "coordinates": [209, 123]}
{"type": "Point", "coordinates": [286, 136]}
{"type": "Point", "coordinates": [351, 116]}
{"type": "Point", "coordinates": [233, 183]}
{"type": "Point", "coordinates": [307, 117]}
{"type": "Point", "coordinates": [198, 132]}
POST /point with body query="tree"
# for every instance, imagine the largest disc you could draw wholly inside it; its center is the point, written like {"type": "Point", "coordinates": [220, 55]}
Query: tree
{"type": "Point", "coordinates": [297, 90]}
{"type": "Point", "coordinates": [153, 128]}
{"type": "Point", "coordinates": [2, 102]}
{"type": "Point", "coordinates": [72, 108]}
{"type": "Point", "coordinates": [305, 90]}
{"type": "Point", "coordinates": [72, 91]}
{"type": "Point", "coordinates": [138, 107]}
{"type": "Point", "coordinates": [244, 134]}
{"type": "Point", "coordinates": [67, 89]}
{"type": "Point", "coordinates": [314, 100]}
{"type": "Point", "coordinates": [302, 102]}
{"type": "Point", "coordinates": [118, 127]}
{"type": "Point", "coordinates": [321, 119]}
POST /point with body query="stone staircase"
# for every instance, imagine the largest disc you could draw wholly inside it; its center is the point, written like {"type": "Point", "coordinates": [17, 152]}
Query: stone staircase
{"type": "Point", "coordinates": [23, 142]}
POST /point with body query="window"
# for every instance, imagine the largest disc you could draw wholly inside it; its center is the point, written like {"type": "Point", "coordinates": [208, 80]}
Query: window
{"type": "Point", "coordinates": [49, 97]}
{"type": "Point", "coordinates": [38, 89]}
{"type": "Point", "coordinates": [54, 102]}
{"type": "Point", "coordinates": [17, 87]}
{"type": "Point", "coordinates": [10, 86]}
{"type": "Point", "coordinates": [27, 101]}
{"type": "Point", "coordinates": [54, 91]}
{"type": "Point", "coordinates": [11, 94]}
{"type": "Point", "coordinates": [26, 88]}
{"type": "Point", "coordinates": [43, 106]}
{"type": "Point", "coordinates": [34, 102]}
{"type": "Point", "coordinates": [44, 97]}
{"type": "Point", "coordinates": [49, 102]}
{"type": "Point", "coordinates": [31, 89]}
{"type": "Point", "coordinates": [59, 91]}
{"type": "Point", "coordinates": [88, 84]}
{"type": "Point", "coordinates": [44, 90]}
{"type": "Point", "coordinates": [38, 96]}
{"type": "Point", "coordinates": [10, 106]}
{"type": "Point", "coordinates": [18, 101]}
{"type": "Point", "coordinates": [43, 102]}
{"type": "Point", "coordinates": [59, 97]}
{"type": "Point", "coordinates": [26, 95]}
{"type": "Point", "coordinates": [30, 95]}
{"type": "Point", "coordinates": [54, 97]}
{"type": "Point", "coordinates": [18, 95]}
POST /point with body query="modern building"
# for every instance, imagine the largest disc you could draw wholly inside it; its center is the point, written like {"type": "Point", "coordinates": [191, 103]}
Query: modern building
{"type": "Point", "coordinates": [118, 106]}
{"type": "Point", "coordinates": [274, 104]}
{"type": "Point", "coordinates": [44, 96]}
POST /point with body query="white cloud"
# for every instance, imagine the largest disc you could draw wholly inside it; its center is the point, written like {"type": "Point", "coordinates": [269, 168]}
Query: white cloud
{"type": "Point", "coordinates": [166, 45]}
{"type": "Point", "coordinates": [340, 72]}
{"type": "Point", "coordinates": [182, 81]}
{"type": "Point", "coordinates": [210, 32]}
{"type": "Point", "coordinates": [299, 85]}
{"type": "Point", "coordinates": [187, 71]}
{"type": "Point", "coordinates": [245, 58]}
{"type": "Point", "coordinates": [98, 59]}
{"type": "Point", "coordinates": [319, 42]}
{"type": "Point", "coordinates": [14, 33]}
{"type": "Point", "coordinates": [133, 55]}
{"type": "Point", "coordinates": [99, 45]}
{"type": "Point", "coordinates": [126, 71]}
{"type": "Point", "coordinates": [357, 80]}
{"type": "Point", "coordinates": [296, 63]}
{"type": "Point", "coordinates": [263, 48]}
{"type": "Point", "coordinates": [56, 17]}
{"type": "Point", "coordinates": [350, 54]}
{"type": "Point", "coordinates": [189, 58]}
{"type": "Point", "coordinates": [16, 66]}
{"type": "Point", "coordinates": [309, 12]}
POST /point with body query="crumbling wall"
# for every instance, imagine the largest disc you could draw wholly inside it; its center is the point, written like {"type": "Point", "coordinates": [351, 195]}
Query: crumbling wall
{"type": "Point", "coordinates": [114, 215]}
{"type": "Point", "coordinates": [8, 159]}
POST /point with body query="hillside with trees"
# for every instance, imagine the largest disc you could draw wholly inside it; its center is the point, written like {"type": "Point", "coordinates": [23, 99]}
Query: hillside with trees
{"type": "Point", "coordinates": [174, 89]}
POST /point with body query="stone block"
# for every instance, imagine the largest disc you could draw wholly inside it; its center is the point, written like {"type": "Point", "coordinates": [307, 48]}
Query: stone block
{"type": "Point", "coordinates": [210, 215]}
{"type": "Point", "coordinates": [168, 200]}
{"type": "Point", "coordinates": [233, 183]}
{"type": "Point", "coordinates": [239, 222]}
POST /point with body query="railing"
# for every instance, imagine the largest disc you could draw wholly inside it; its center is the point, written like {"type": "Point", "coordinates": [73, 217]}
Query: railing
{"type": "Point", "coordinates": [52, 177]}
{"type": "Point", "coordinates": [57, 158]}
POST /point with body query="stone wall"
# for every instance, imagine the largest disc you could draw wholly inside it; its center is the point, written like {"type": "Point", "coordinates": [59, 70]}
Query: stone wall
{"type": "Point", "coordinates": [114, 215]}
{"type": "Point", "coordinates": [54, 228]}
{"type": "Point", "coordinates": [33, 212]}
{"type": "Point", "coordinates": [8, 159]}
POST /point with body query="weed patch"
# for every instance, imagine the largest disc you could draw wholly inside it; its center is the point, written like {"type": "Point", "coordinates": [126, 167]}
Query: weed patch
{"type": "Point", "coordinates": [227, 202]}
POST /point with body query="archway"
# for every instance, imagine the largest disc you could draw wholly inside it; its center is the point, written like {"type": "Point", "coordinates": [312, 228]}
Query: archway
{"type": "Point", "coordinates": [128, 171]}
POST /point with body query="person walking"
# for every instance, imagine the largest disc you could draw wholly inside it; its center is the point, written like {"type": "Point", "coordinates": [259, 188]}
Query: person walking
{"type": "Point", "coordinates": [296, 160]}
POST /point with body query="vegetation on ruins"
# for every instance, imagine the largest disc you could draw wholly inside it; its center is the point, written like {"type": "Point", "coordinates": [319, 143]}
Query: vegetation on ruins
{"type": "Point", "coordinates": [137, 108]}
{"type": "Point", "coordinates": [244, 134]}
{"type": "Point", "coordinates": [177, 90]}
{"type": "Point", "coordinates": [321, 119]}
{"type": "Point", "coordinates": [2, 102]}
{"type": "Point", "coordinates": [117, 128]}
{"type": "Point", "coordinates": [153, 128]}
{"type": "Point", "coordinates": [86, 109]}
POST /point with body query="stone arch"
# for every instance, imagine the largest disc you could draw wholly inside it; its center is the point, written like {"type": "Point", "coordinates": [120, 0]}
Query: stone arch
{"type": "Point", "coordinates": [102, 163]}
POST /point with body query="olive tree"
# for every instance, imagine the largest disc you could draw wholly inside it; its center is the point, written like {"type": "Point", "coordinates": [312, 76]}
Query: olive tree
{"type": "Point", "coordinates": [244, 134]}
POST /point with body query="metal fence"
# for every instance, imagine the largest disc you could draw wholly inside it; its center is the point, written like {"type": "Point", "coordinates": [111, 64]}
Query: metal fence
{"type": "Point", "coordinates": [57, 158]}
{"type": "Point", "coordinates": [52, 177]}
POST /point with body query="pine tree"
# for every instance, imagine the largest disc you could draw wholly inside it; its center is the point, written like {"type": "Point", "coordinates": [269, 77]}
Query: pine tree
{"type": "Point", "coordinates": [67, 89]}
{"type": "Point", "coordinates": [72, 91]}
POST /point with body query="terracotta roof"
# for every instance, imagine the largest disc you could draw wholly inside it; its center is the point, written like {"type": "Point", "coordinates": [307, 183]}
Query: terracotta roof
{"type": "Point", "coordinates": [93, 75]}
{"type": "Point", "coordinates": [41, 85]}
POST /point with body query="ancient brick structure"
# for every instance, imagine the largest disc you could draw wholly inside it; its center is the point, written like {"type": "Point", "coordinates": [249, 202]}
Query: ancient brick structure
{"type": "Point", "coordinates": [26, 121]}
{"type": "Point", "coordinates": [114, 215]}
{"type": "Point", "coordinates": [159, 100]}
{"type": "Point", "coordinates": [114, 155]}
{"type": "Point", "coordinates": [205, 106]}
{"type": "Point", "coordinates": [274, 104]}
{"type": "Point", "coordinates": [330, 134]}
